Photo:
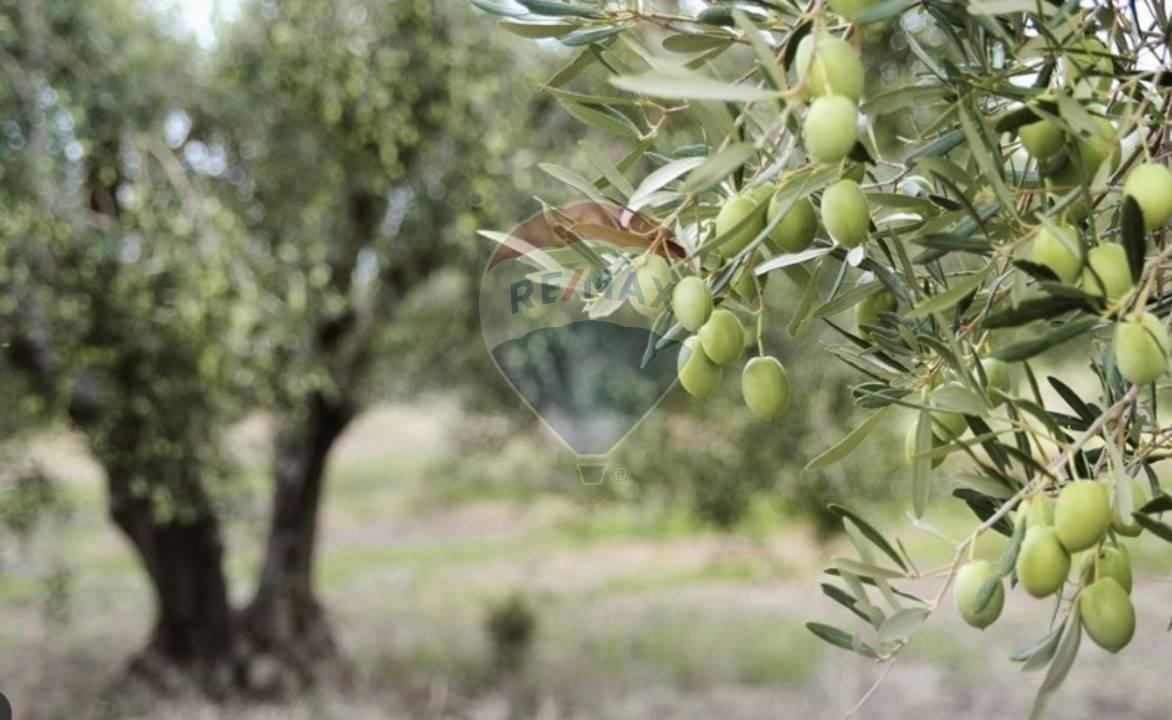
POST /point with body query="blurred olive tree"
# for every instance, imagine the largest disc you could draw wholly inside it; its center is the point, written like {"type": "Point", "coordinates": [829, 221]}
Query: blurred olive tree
{"type": "Point", "coordinates": [187, 237]}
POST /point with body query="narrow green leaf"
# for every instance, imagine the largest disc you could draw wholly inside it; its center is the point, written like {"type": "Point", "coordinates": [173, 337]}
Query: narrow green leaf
{"type": "Point", "coordinates": [717, 167]}
{"type": "Point", "coordinates": [847, 445]}
{"type": "Point", "coordinates": [687, 43]}
{"type": "Point", "coordinates": [765, 58]}
{"type": "Point", "coordinates": [690, 86]}
{"type": "Point", "coordinates": [574, 180]}
{"type": "Point", "coordinates": [1157, 528]}
{"type": "Point", "coordinates": [537, 30]}
{"type": "Point", "coordinates": [1041, 308]}
{"type": "Point", "coordinates": [922, 465]}
{"type": "Point", "coordinates": [1029, 348]}
{"type": "Point", "coordinates": [944, 300]}
{"type": "Point", "coordinates": [599, 119]}
{"type": "Point", "coordinates": [556, 8]}
{"type": "Point", "coordinates": [832, 635]}
{"type": "Point", "coordinates": [1060, 666]}
{"type": "Point", "coordinates": [1132, 229]}
{"type": "Point", "coordinates": [869, 531]}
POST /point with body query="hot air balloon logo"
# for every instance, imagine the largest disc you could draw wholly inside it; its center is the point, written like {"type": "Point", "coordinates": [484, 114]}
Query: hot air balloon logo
{"type": "Point", "coordinates": [557, 311]}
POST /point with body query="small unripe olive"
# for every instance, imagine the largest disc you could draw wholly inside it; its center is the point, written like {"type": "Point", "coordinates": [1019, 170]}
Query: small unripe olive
{"type": "Point", "coordinates": [1107, 273]}
{"type": "Point", "coordinates": [1113, 562]}
{"type": "Point", "coordinates": [1082, 515]}
{"type": "Point", "coordinates": [1141, 347]}
{"type": "Point", "coordinates": [828, 65]}
{"type": "Point", "coordinates": [969, 580]}
{"type": "Point", "coordinates": [735, 212]}
{"type": "Point", "coordinates": [1151, 187]}
{"type": "Point", "coordinates": [1126, 525]}
{"type": "Point", "coordinates": [722, 337]}
{"type": "Point", "coordinates": [867, 312]}
{"type": "Point", "coordinates": [765, 385]}
{"type": "Point", "coordinates": [845, 214]}
{"type": "Point", "coordinates": [691, 301]}
{"type": "Point", "coordinates": [1042, 139]}
{"type": "Point", "coordinates": [1107, 614]}
{"type": "Point", "coordinates": [1060, 251]}
{"type": "Point", "coordinates": [796, 230]}
{"type": "Point", "coordinates": [698, 374]}
{"type": "Point", "coordinates": [997, 379]}
{"type": "Point", "coordinates": [831, 128]}
{"type": "Point", "coordinates": [1042, 563]}
{"type": "Point", "coordinates": [1085, 155]}
{"type": "Point", "coordinates": [652, 278]}
{"type": "Point", "coordinates": [948, 425]}
{"type": "Point", "coordinates": [909, 445]}
{"type": "Point", "coordinates": [744, 285]}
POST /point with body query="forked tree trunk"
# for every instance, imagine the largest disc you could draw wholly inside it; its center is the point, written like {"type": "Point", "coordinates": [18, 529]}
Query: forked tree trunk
{"type": "Point", "coordinates": [287, 628]}
{"type": "Point", "coordinates": [193, 638]}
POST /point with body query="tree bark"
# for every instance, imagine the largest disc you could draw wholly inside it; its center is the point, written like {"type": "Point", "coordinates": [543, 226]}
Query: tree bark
{"type": "Point", "coordinates": [284, 624]}
{"type": "Point", "coordinates": [192, 639]}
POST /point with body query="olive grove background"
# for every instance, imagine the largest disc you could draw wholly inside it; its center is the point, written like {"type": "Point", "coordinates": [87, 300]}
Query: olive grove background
{"type": "Point", "coordinates": [254, 459]}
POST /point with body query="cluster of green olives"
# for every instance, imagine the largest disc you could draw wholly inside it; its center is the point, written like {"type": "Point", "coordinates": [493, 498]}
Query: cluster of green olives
{"type": "Point", "coordinates": [1141, 344]}
{"type": "Point", "coordinates": [1078, 521]}
{"type": "Point", "coordinates": [719, 339]}
{"type": "Point", "coordinates": [947, 425]}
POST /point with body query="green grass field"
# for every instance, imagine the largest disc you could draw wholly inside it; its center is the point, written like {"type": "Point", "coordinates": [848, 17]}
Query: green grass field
{"type": "Point", "coordinates": [641, 612]}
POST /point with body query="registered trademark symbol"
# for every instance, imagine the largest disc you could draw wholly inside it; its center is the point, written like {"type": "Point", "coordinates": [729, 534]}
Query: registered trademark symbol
{"type": "Point", "coordinates": [620, 474]}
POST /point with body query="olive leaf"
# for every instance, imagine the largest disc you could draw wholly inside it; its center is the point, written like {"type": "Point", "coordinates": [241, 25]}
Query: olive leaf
{"type": "Point", "coordinates": [846, 446]}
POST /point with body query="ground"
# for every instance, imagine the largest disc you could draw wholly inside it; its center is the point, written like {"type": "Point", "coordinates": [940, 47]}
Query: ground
{"type": "Point", "coordinates": [642, 615]}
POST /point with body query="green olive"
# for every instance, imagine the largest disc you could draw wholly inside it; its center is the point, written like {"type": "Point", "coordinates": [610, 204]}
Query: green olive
{"type": "Point", "coordinates": [1085, 155]}
{"type": "Point", "coordinates": [1042, 139]}
{"type": "Point", "coordinates": [1127, 526]}
{"type": "Point", "coordinates": [828, 65]}
{"type": "Point", "coordinates": [1042, 563]}
{"type": "Point", "coordinates": [831, 128]}
{"type": "Point", "coordinates": [1082, 515]}
{"type": "Point", "coordinates": [1060, 251]}
{"type": "Point", "coordinates": [1107, 614]}
{"type": "Point", "coordinates": [949, 425]}
{"type": "Point", "coordinates": [969, 581]}
{"type": "Point", "coordinates": [722, 337]}
{"type": "Point", "coordinates": [691, 301]}
{"type": "Point", "coordinates": [652, 280]}
{"type": "Point", "coordinates": [1151, 187]}
{"type": "Point", "coordinates": [736, 221]}
{"type": "Point", "coordinates": [1141, 347]}
{"type": "Point", "coordinates": [998, 384]}
{"type": "Point", "coordinates": [698, 374]}
{"type": "Point", "coordinates": [868, 311]}
{"type": "Point", "coordinates": [765, 385]}
{"type": "Point", "coordinates": [1113, 562]}
{"type": "Point", "coordinates": [909, 446]}
{"type": "Point", "coordinates": [845, 214]}
{"type": "Point", "coordinates": [1107, 273]}
{"type": "Point", "coordinates": [743, 283]}
{"type": "Point", "coordinates": [796, 230]}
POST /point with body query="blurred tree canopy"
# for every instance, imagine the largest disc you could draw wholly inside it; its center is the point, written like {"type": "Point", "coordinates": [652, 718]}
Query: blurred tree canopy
{"type": "Point", "coordinates": [187, 238]}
